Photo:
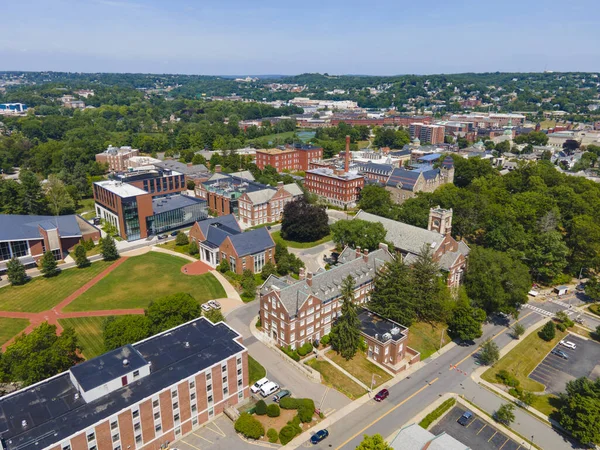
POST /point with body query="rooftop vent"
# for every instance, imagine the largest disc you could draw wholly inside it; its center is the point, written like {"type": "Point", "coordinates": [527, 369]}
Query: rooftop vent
{"type": "Point", "coordinates": [187, 344]}
{"type": "Point", "coordinates": [386, 336]}
{"type": "Point", "coordinates": [395, 331]}
{"type": "Point", "coordinates": [24, 423]}
{"type": "Point", "coordinates": [77, 396]}
{"type": "Point", "coordinates": [125, 362]}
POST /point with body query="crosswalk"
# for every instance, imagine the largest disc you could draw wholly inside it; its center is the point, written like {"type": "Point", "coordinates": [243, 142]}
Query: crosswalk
{"type": "Point", "coordinates": [541, 311]}
{"type": "Point", "coordinates": [558, 302]}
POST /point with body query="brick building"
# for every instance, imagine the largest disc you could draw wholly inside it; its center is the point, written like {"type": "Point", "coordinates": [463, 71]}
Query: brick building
{"type": "Point", "coordinates": [433, 134]}
{"type": "Point", "coordinates": [291, 158]}
{"type": "Point", "coordinates": [398, 121]}
{"type": "Point", "coordinates": [221, 238]}
{"type": "Point", "coordinates": [116, 157]}
{"type": "Point", "coordinates": [141, 396]}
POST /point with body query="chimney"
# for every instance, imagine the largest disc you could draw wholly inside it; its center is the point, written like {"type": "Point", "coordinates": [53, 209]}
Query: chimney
{"type": "Point", "coordinates": [218, 168]}
{"type": "Point", "coordinates": [302, 273]}
{"type": "Point", "coordinates": [125, 363]}
{"type": "Point", "coordinates": [358, 252]}
{"type": "Point", "coordinates": [279, 184]}
{"type": "Point", "coordinates": [347, 155]}
{"type": "Point", "coordinates": [190, 164]}
{"type": "Point", "coordinates": [309, 278]}
{"type": "Point", "coordinates": [384, 246]}
{"type": "Point", "coordinates": [366, 255]}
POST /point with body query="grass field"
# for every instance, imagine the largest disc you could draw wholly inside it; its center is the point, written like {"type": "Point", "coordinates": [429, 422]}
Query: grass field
{"type": "Point", "coordinates": [141, 279]}
{"type": "Point", "coordinates": [11, 327]}
{"type": "Point", "coordinates": [276, 235]}
{"type": "Point", "coordinates": [255, 370]}
{"type": "Point", "coordinates": [86, 204]}
{"type": "Point", "coordinates": [361, 368]}
{"type": "Point", "coordinates": [183, 249]}
{"type": "Point", "coordinates": [41, 294]}
{"type": "Point", "coordinates": [280, 136]}
{"type": "Point", "coordinates": [426, 338]}
{"type": "Point", "coordinates": [336, 379]}
{"type": "Point", "coordinates": [89, 332]}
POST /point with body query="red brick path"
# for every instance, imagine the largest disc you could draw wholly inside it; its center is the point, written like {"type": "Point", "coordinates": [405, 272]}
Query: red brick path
{"type": "Point", "coordinates": [51, 316]}
{"type": "Point", "coordinates": [196, 268]}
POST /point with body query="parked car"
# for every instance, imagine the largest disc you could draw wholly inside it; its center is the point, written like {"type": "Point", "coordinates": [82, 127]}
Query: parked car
{"type": "Point", "coordinates": [382, 395]}
{"type": "Point", "coordinates": [256, 386]}
{"type": "Point", "coordinates": [465, 418]}
{"type": "Point", "coordinates": [318, 436]}
{"type": "Point", "coordinates": [174, 233]}
{"type": "Point", "coordinates": [268, 388]}
{"type": "Point", "coordinates": [214, 304]}
{"type": "Point", "coordinates": [568, 344]}
{"type": "Point", "coordinates": [206, 307]}
{"type": "Point", "coordinates": [283, 393]}
{"type": "Point", "coordinates": [560, 354]}
{"type": "Point", "coordinates": [580, 287]}
{"type": "Point", "coordinates": [162, 236]}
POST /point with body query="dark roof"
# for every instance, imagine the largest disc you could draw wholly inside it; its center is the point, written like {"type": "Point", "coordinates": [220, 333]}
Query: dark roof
{"type": "Point", "coordinates": [15, 227]}
{"type": "Point", "coordinates": [98, 371]}
{"type": "Point", "coordinates": [222, 221]}
{"type": "Point", "coordinates": [403, 152]}
{"type": "Point", "coordinates": [190, 171]}
{"type": "Point", "coordinates": [53, 413]}
{"type": "Point", "coordinates": [431, 174]}
{"type": "Point", "coordinates": [383, 169]}
{"type": "Point", "coordinates": [408, 178]}
{"type": "Point", "coordinates": [164, 204]}
{"type": "Point", "coordinates": [376, 326]}
{"type": "Point", "coordinates": [252, 241]}
{"type": "Point", "coordinates": [299, 146]}
{"type": "Point", "coordinates": [448, 162]}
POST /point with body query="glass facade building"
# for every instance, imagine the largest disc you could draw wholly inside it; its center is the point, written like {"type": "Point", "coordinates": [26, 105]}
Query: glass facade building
{"type": "Point", "coordinates": [178, 217]}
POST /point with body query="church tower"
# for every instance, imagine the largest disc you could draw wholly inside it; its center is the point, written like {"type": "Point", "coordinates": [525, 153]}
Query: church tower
{"type": "Point", "coordinates": [440, 220]}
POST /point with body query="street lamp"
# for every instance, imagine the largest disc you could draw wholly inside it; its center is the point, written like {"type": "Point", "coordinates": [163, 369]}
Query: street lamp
{"type": "Point", "coordinates": [373, 380]}
{"type": "Point", "coordinates": [531, 443]}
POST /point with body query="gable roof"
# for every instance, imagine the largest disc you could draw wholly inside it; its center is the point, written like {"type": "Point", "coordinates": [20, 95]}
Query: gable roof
{"type": "Point", "coordinates": [293, 189]}
{"type": "Point", "coordinates": [16, 227]}
{"type": "Point", "coordinates": [262, 196]}
{"type": "Point", "coordinates": [405, 178]}
{"type": "Point", "coordinates": [228, 221]}
{"type": "Point", "coordinates": [252, 241]}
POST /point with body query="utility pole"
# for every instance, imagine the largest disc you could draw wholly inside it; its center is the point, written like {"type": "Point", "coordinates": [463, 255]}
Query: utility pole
{"type": "Point", "coordinates": [442, 339]}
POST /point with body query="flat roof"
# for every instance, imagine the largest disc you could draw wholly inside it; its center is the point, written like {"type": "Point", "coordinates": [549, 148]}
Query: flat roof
{"type": "Point", "coordinates": [171, 202]}
{"type": "Point", "coordinates": [276, 151]}
{"type": "Point", "coordinates": [53, 412]}
{"type": "Point", "coordinates": [121, 188]}
{"type": "Point", "coordinates": [17, 227]}
{"type": "Point", "coordinates": [376, 326]}
{"type": "Point", "coordinates": [326, 172]}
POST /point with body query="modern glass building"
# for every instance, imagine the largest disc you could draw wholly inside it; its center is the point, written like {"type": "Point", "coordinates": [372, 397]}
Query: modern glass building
{"type": "Point", "coordinates": [174, 212]}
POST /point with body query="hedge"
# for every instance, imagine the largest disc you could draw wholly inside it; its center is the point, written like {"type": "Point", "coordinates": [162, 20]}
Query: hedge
{"type": "Point", "coordinates": [273, 410]}
{"type": "Point", "coordinates": [286, 434]}
{"type": "Point", "coordinates": [297, 403]}
{"type": "Point", "coordinates": [325, 339]}
{"type": "Point", "coordinates": [507, 378]}
{"type": "Point", "coordinates": [305, 349]}
{"type": "Point", "coordinates": [272, 435]}
{"type": "Point", "coordinates": [437, 413]}
{"type": "Point", "coordinates": [249, 426]}
{"type": "Point", "coordinates": [260, 408]}
{"type": "Point", "coordinates": [291, 353]}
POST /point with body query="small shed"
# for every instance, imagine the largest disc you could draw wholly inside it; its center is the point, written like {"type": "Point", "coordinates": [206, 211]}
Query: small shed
{"type": "Point", "coordinates": [561, 290]}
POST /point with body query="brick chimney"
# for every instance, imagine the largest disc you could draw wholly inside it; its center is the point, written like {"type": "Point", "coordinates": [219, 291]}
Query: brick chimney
{"type": "Point", "coordinates": [309, 278]}
{"type": "Point", "coordinates": [279, 184]}
{"type": "Point", "coordinates": [302, 273]}
{"type": "Point", "coordinates": [384, 246]}
{"type": "Point", "coordinates": [347, 155]}
{"type": "Point", "coordinates": [358, 252]}
{"type": "Point", "coordinates": [218, 168]}
{"type": "Point", "coordinates": [366, 255]}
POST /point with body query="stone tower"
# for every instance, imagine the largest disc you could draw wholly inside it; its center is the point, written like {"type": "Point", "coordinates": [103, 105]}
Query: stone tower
{"type": "Point", "coordinates": [440, 220]}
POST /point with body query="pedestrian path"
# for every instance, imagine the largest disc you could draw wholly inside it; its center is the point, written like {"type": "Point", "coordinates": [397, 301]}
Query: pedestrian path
{"type": "Point", "coordinates": [539, 310]}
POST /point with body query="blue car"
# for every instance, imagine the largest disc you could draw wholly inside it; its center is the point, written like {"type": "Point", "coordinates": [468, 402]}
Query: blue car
{"type": "Point", "coordinates": [319, 436]}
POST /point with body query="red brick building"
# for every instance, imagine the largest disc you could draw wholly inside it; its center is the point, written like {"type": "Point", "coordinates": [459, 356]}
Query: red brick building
{"type": "Point", "coordinates": [433, 134]}
{"type": "Point", "coordinates": [399, 121]}
{"type": "Point", "coordinates": [117, 158]}
{"type": "Point", "coordinates": [142, 396]}
{"type": "Point", "coordinates": [293, 158]}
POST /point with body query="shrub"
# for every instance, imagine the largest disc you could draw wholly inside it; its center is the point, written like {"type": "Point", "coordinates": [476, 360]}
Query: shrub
{"type": "Point", "coordinates": [291, 353]}
{"type": "Point", "coordinates": [437, 413]}
{"type": "Point", "coordinates": [506, 378]}
{"type": "Point", "coordinates": [181, 239]}
{"type": "Point", "coordinates": [305, 414]}
{"type": "Point", "coordinates": [516, 392]}
{"type": "Point", "coordinates": [297, 403]}
{"type": "Point", "coordinates": [260, 408]}
{"type": "Point", "coordinates": [548, 331]}
{"type": "Point", "coordinates": [273, 410]}
{"type": "Point", "coordinates": [272, 435]}
{"type": "Point", "coordinates": [193, 248]}
{"type": "Point", "coordinates": [561, 326]}
{"type": "Point", "coordinates": [258, 322]}
{"type": "Point", "coordinates": [286, 434]}
{"type": "Point", "coordinates": [325, 339]}
{"type": "Point", "coordinates": [223, 266]}
{"type": "Point", "coordinates": [305, 349]}
{"type": "Point", "coordinates": [249, 426]}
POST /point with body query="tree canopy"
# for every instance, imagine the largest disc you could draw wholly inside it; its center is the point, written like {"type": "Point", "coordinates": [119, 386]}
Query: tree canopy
{"type": "Point", "coordinates": [345, 333]}
{"type": "Point", "coordinates": [579, 412]}
{"type": "Point", "coordinates": [303, 222]}
{"type": "Point", "coordinates": [358, 233]}
{"type": "Point", "coordinates": [172, 310]}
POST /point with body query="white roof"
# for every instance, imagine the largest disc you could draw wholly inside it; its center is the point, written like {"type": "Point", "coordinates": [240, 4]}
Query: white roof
{"type": "Point", "coordinates": [120, 188]}
{"type": "Point", "coordinates": [293, 189]}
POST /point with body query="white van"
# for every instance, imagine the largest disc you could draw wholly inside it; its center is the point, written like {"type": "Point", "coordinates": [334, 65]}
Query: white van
{"type": "Point", "coordinates": [256, 386]}
{"type": "Point", "coordinates": [268, 389]}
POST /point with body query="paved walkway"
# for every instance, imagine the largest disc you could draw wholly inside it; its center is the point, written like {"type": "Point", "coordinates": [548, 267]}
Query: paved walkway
{"type": "Point", "coordinates": [196, 268]}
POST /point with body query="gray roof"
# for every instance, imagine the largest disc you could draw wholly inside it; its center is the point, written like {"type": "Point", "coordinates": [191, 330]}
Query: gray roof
{"type": "Point", "coordinates": [15, 227]}
{"type": "Point", "coordinates": [222, 221]}
{"type": "Point", "coordinates": [262, 196]}
{"type": "Point", "coordinates": [413, 437]}
{"type": "Point", "coordinates": [218, 229]}
{"type": "Point", "coordinates": [245, 174]}
{"type": "Point", "coordinates": [190, 171]}
{"type": "Point", "coordinates": [293, 189]}
{"type": "Point", "coordinates": [164, 204]}
{"type": "Point", "coordinates": [326, 285]}
{"type": "Point", "coordinates": [252, 241]}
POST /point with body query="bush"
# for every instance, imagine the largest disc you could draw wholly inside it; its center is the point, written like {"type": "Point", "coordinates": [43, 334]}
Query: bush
{"type": "Point", "coordinates": [291, 353]}
{"type": "Point", "coordinates": [297, 403]}
{"type": "Point", "coordinates": [273, 410]}
{"type": "Point", "coordinates": [305, 414]}
{"type": "Point", "coordinates": [181, 239]}
{"type": "Point", "coordinates": [325, 339]}
{"type": "Point", "coordinates": [260, 408]}
{"type": "Point", "coordinates": [223, 266]}
{"type": "Point", "coordinates": [286, 434]}
{"type": "Point", "coordinates": [516, 392]}
{"type": "Point", "coordinates": [305, 349]}
{"type": "Point", "coordinates": [272, 435]}
{"type": "Point", "coordinates": [249, 426]}
{"type": "Point", "coordinates": [193, 248]}
{"type": "Point", "coordinates": [437, 413]}
{"type": "Point", "coordinates": [561, 327]}
{"type": "Point", "coordinates": [506, 378]}
{"type": "Point", "coordinates": [548, 331]}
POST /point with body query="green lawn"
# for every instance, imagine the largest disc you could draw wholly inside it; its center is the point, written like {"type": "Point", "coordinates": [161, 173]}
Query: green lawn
{"type": "Point", "coordinates": [41, 294]}
{"type": "Point", "coordinates": [336, 379]}
{"type": "Point", "coordinates": [276, 235]}
{"type": "Point", "coordinates": [255, 370]}
{"type": "Point", "coordinates": [522, 359]}
{"type": "Point", "coordinates": [141, 279]}
{"type": "Point", "coordinates": [11, 327]}
{"type": "Point", "coordinates": [183, 249]}
{"type": "Point", "coordinates": [86, 204]}
{"type": "Point", "coordinates": [426, 338]}
{"type": "Point", "coordinates": [280, 136]}
{"type": "Point", "coordinates": [361, 368]}
{"type": "Point", "coordinates": [89, 333]}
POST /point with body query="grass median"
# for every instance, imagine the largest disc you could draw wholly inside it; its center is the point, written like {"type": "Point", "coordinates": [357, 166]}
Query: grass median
{"type": "Point", "coordinates": [361, 368]}
{"type": "Point", "coordinates": [334, 378]}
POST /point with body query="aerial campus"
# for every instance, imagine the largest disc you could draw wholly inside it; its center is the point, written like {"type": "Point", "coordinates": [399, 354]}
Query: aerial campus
{"type": "Point", "coordinates": [214, 262]}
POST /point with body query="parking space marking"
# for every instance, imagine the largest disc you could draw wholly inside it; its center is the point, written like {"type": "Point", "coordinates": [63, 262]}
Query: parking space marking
{"type": "Point", "coordinates": [220, 432]}
{"type": "Point", "coordinates": [503, 444]}
{"type": "Point", "coordinates": [484, 425]}
{"type": "Point", "coordinates": [470, 423]}
{"type": "Point", "coordinates": [191, 445]}
{"type": "Point", "coordinates": [202, 437]}
{"type": "Point", "coordinates": [495, 433]}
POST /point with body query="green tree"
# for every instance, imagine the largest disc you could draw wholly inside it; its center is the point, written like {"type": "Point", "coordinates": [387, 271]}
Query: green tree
{"type": "Point", "coordinates": [268, 269]}
{"type": "Point", "coordinates": [547, 257]}
{"type": "Point", "coordinates": [303, 222]}
{"type": "Point", "coordinates": [592, 289]}
{"type": "Point", "coordinates": [193, 248]}
{"type": "Point", "coordinates": [518, 330]}
{"type": "Point", "coordinates": [377, 200]}
{"type": "Point", "coordinates": [249, 426]}
{"type": "Point", "coordinates": [548, 331]}
{"type": "Point", "coordinates": [49, 267]}
{"type": "Point", "coordinates": [489, 353]}
{"type": "Point", "coordinates": [32, 197]}
{"type": "Point", "coordinates": [465, 321]}
{"type": "Point", "coordinates": [172, 310]}
{"type": "Point", "coordinates": [374, 442]}
{"type": "Point", "coordinates": [214, 315]}
{"type": "Point", "coordinates": [527, 397]}
{"type": "Point", "coordinates": [223, 266]}
{"type": "Point", "coordinates": [430, 292]}
{"type": "Point", "coordinates": [505, 414]}
{"type": "Point", "coordinates": [358, 233]}
{"type": "Point", "coordinates": [181, 239]}
{"type": "Point", "coordinates": [15, 271]}
{"type": "Point", "coordinates": [392, 293]}
{"type": "Point", "coordinates": [118, 331]}
{"type": "Point", "coordinates": [345, 334]}
{"type": "Point", "coordinates": [81, 256]}
{"type": "Point", "coordinates": [59, 200]}
{"type": "Point", "coordinates": [579, 412]}
{"type": "Point", "coordinates": [109, 248]}
{"type": "Point", "coordinates": [248, 284]}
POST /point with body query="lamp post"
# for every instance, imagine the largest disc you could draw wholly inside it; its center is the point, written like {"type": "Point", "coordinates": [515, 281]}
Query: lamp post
{"type": "Point", "coordinates": [373, 380]}
{"type": "Point", "coordinates": [442, 339]}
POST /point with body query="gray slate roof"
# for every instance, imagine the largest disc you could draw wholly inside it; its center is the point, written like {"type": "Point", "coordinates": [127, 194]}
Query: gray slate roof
{"type": "Point", "coordinates": [293, 189]}
{"type": "Point", "coordinates": [14, 227]}
{"type": "Point", "coordinates": [252, 241]}
{"type": "Point", "coordinates": [217, 229]}
{"type": "Point", "coordinates": [222, 221]}
{"type": "Point", "coordinates": [326, 285]}
{"type": "Point", "coordinates": [190, 171]}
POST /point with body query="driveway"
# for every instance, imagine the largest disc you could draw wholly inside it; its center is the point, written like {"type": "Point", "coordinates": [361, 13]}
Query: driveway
{"type": "Point", "coordinates": [313, 257]}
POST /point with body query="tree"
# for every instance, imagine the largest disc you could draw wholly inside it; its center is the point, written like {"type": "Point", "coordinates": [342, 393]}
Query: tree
{"type": "Point", "coordinates": [527, 397]}
{"type": "Point", "coordinates": [118, 331]}
{"type": "Point", "coordinates": [374, 442]}
{"type": "Point", "coordinates": [468, 169]}
{"type": "Point", "coordinates": [376, 200]}
{"type": "Point", "coordinates": [358, 233]}
{"type": "Point", "coordinates": [505, 414]}
{"type": "Point", "coordinates": [273, 410]}
{"type": "Point", "coordinates": [303, 222]}
{"type": "Point", "coordinates": [249, 426]}
{"type": "Point", "coordinates": [267, 270]}
{"type": "Point", "coordinates": [81, 256]}
{"type": "Point", "coordinates": [40, 354]}
{"type": "Point", "coordinates": [345, 334]}
{"type": "Point", "coordinates": [430, 292]}
{"type": "Point", "coordinates": [190, 185]}
{"type": "Point", "coordinates": [172, 310]}
{"type": "Point", "coordinates": [109, 248]}
{"type": "Point", "coordinates": [465, 321]}
{"type": "Point", "coordinates": [579, 412]}
{"type": "Point", "coordinates": [489, 353]}
{"type": "Point", "coordinates": [392, 293]}
{"type": "Point", "coordinates": [32, 197]}
{"type": "Point", "coordinates": [548, 331]}
{"type": "Point", "coordinates": [223, 266]}
{"type": "Point", "coordinates": [15, 271]}
{"type": "Point", "coordinates": [181, 239]}
{"type": "Point", "coordinates": [214, 315]}
{"type": "Point", "coordinates": [261, 408]}
{"type": "Point", "coordinates": [49, 267]}
{"type": "Point", "coordinates": [547, 257]}
{"type": "Point", "coordinates": [59, 200]}
{"type": "Point", "coordinates": [193, 248]}
{"type": "Point", "coordinates": [248, 284]}
{"type": "Point", "coordinates": [592, 289]}
{"type": "Point", "coordinates": [518, 330]}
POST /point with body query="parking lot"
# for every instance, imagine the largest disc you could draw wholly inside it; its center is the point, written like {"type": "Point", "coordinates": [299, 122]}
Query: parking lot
{"type": "Point", "coordinates": [216, 435]}
{"type": "Point", "coordinates": [554, 372]}
{"type": "Point", "coordinates": [477, 434]}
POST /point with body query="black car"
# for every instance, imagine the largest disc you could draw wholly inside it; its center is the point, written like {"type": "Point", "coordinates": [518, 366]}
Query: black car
{"type": "Point", "coordinates": [174, 233]}
{"type": "Point", "coordinates": [319, 436]}
{"type": "Point", "coordinates": [465, 418]}
{"type": "Point", "coordinates": [560, 354]}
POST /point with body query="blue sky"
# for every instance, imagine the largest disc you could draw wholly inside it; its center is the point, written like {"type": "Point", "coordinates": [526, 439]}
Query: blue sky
{"type": "Point", "coordinates": [283, 37]}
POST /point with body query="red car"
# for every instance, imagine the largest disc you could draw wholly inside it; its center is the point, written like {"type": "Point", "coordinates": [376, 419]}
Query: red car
{"type": "Point", "coordinates": [382, 395]}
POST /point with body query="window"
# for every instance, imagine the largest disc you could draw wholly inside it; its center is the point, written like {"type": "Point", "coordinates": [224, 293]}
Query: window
{"type": "Point", "coordinates": [310, 311]}
{"type": "Point", "coordinates": [137, 426]}
{"type": "Point", "coordinates": [136, 373]}
{"type": "Point", "coordinates": [93, 447]}
{"type": "Point", "coordinates": [114, 425]}
{"type": "Point", "coordinates": [292, 336]}
{"type": "Point", "coordinates": [136, 413]}
{"type": "Point", "coordinates": [208, 387]}
{"type": "Point", "coordinates": [157, 428]}
{"type": "Point", "coordinates": [157, 415]}
{"type": "Point", "coordinates": [176, 405]}
{"type": "Point", "coordinates": [211, 412]}
{"type": "Point", "coordinates": [224, 380]}
{"type": "Point", "coordinates": [155, 404]}
{"type": "Point", "coordinates": [292, 325]}
{"type": "Point", "coordinates": [239, 361]}
{"type": "Point", "coordinates": [193, 395]}
{"type": "Point", "coordinates": [91, 436]}
{"type": "Point", "coordinates": [210, 399]}
{"type": "Point", "coordinates": [192, 384]}
{"type": "Point", "coordinates": [310, 319]}
{"type": "Point", "coordinates": [240, 383]}
{"type": "Point", "coordinates": [376, 349]}
{"type": "Point", "coordinates": [225, 391]}
{"type": "Point", "coordinates": [176, 417]}
{"type": "Point", "coordinates": [239, 371]}
{"type": "Point", "coordinates": [118, 447]}
{"type": "Point", "coordinates": [223, 368]}
{"type": "Point", "coordinates": [240, 395]}
{"type": "Point", "coordinates": [66, 447]}
{"type": "Point", "coordinates": [194, 408]}
{"type": "Point", "coordinates": [208, 376]}
{"type": "Point", "coordinates": [177, 431]}
{"type": "Point", "coordinates": [173, 394]}
{"type": "Point", "coordinates": [310, 330]}
{"type": "Point", "coordinates": [194, 421]}
{"type": "Point", "coordinates": [115, 437]}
